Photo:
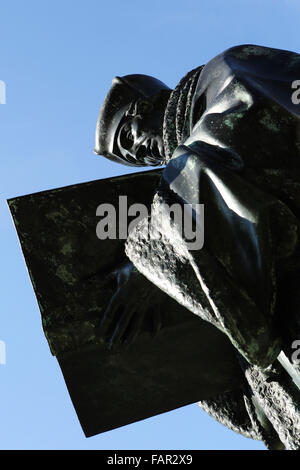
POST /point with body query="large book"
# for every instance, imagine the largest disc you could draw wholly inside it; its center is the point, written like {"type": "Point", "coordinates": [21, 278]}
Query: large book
{"type": "Point", "coordinates": [166, 357]}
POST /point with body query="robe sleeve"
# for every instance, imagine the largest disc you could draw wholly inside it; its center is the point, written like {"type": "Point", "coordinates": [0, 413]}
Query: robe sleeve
{"type": "Point", "coordinates": [247, 122]}
{"type": "Point", "coordinates": [231, 280]}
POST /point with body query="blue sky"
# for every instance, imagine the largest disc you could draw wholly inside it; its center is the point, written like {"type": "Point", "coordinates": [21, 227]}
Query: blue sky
{"type": "Point", "coordinates": [57, 60]}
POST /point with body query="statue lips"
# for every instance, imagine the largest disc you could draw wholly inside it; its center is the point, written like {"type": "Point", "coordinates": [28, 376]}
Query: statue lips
{"type": "Point", "coordinates": [157, 148]}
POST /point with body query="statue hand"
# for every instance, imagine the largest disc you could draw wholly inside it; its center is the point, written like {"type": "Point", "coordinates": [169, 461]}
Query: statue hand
{"type": "Point", "coordinates": [134, 305]}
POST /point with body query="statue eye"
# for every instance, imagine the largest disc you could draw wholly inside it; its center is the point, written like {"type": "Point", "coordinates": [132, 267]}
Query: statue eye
{"type": "Point", "coordinates": [129, 135]}
{"type": "Point", "coordinates": [131, 110]}
{"type": "Point", "coordinates": [127, 132]}
{"type": "Point", "coordinates": [143, 106]}
{"type": "Point", "coordinates": [126, 137]}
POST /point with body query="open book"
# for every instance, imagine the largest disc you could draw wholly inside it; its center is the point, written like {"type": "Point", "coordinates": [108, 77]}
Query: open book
{"type": "Point", "coordinates": [166, 358]}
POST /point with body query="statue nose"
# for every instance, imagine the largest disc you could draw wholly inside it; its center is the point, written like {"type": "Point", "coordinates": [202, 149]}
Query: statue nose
{"type": "Point", "coordinates": [139, 140]}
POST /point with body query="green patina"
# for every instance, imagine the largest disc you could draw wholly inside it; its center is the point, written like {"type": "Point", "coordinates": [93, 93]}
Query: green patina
{"type": "Point", "coordinates": [268, 120]}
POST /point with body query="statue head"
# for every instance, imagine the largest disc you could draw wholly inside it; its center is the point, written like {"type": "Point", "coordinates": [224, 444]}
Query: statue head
{"type": "Point", "coordinates": [130, 123]}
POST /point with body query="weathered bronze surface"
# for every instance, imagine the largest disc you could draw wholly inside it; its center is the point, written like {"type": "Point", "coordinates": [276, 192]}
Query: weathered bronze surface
{"type": "Point", "coordinates": [164, 358]}
{"type": "Point", "coordinates": [231, 141]}
{"type": "Point", "coordinates": [150, 324]}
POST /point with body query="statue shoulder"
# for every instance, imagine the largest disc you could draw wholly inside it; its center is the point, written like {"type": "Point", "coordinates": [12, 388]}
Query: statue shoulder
{"type": "Point", "coordinates": [246, 52]}
{"type": "Point", "coordinates": [260, 60]}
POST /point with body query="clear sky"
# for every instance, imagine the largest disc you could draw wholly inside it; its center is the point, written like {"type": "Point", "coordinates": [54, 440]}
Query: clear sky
{"type": "Point", "coordinates": [57, 60]}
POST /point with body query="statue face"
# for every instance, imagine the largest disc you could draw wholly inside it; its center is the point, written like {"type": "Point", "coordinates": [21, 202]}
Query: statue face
{"type": "Point", "coordinates": [138, 138]}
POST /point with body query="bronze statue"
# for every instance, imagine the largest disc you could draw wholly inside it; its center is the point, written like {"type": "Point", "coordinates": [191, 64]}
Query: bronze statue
{"type": "Point", "coordinates": [229, 135]}
{"type": "Point", "coordinates": [153, 320]}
